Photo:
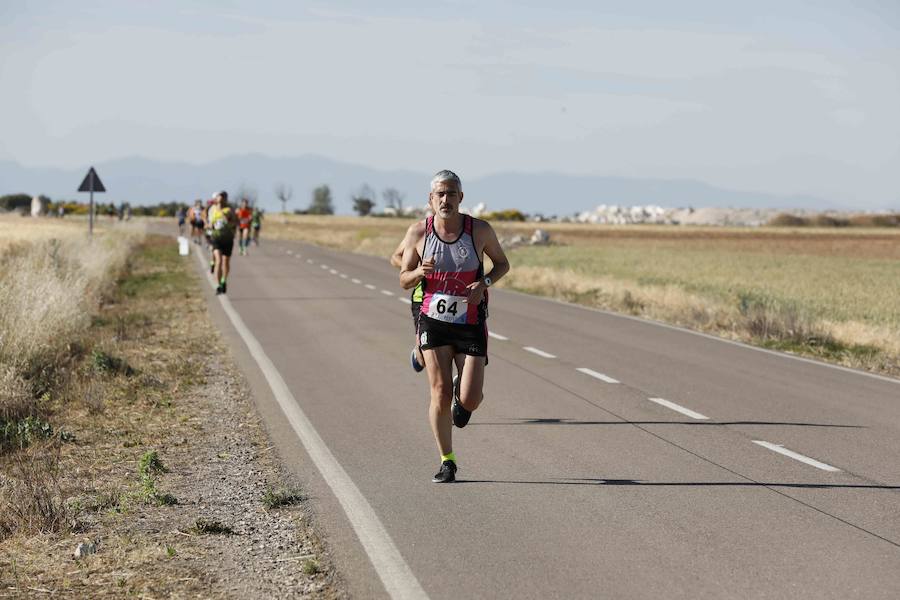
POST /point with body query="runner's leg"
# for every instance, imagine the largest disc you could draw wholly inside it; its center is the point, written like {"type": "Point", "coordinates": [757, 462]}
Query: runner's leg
{"type": "Point", "coordinates": [217, 263]}
{"type": "Point", "coordinates": [438, 363]}
{"type": "Point", "coordinates": [470, 393]}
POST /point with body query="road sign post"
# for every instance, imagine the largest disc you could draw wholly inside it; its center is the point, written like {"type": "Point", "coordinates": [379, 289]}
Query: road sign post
{"type": "Point", "coordinates": [91, 184]}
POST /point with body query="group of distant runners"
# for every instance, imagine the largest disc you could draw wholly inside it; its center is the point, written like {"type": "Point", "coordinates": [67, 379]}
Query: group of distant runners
{"type": "Point", "coordinates": [441, 259]}
{"type": "Point", "coordinates": [218, 225]}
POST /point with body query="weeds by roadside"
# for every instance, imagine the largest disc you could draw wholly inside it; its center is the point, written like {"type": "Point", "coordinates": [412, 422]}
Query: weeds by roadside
{"type": "Point", "coordinates": [212, 527]}
{"type": "Point", "coordinates": [149, 469]}
{"type": "Point", "coordinates": [276, 498]}
{"type": "Point", "coordinates": [122, 455]}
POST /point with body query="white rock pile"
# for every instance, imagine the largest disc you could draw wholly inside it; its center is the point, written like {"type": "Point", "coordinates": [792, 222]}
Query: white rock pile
{"type": "Point", "coordinates": [614, 214]}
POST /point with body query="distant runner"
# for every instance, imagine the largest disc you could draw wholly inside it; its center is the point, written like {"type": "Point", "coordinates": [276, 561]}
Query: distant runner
{"type": "Point", "coordinates": [195, 217]}
{"type": "Point", "coordinates": [244, 215]}
{"type": "Point", "coordinates": [182, 217]}
{"type": "Point", "coordinates": [446, 253]}
{"type": "Point", "coordinates": [256, 223]}
{"type": "Point", "coordinates": [207, 233]}
{"type": "Point", "coordinates": [223, 223]}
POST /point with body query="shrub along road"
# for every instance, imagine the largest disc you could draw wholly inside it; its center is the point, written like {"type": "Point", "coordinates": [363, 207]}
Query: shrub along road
{"type": "Point", "coordinates": [611, 457]}
{"type": "Point", "coordinates": [153, 463]}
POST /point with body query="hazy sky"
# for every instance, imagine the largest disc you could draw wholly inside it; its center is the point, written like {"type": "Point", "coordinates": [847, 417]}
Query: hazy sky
{"type": "Point", "coordinates": [777, 96]}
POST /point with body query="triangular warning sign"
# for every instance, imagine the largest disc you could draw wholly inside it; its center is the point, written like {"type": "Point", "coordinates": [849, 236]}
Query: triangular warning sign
{"type": "Point", "coordinates": [91, 183]}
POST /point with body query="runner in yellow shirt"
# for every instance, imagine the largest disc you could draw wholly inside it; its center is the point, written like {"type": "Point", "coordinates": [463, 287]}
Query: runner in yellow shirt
{"type": "Point", "coordinates": [222, 222]}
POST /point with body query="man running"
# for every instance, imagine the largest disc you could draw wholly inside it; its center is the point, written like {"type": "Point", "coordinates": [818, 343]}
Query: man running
{"type": "Point", "coordinates": [256, 222]}
{"type": "Point", "coordinates": [446, 254]}
{"type": "Point", "coordinates": [244, 215]}
{"type": "Point", "coordinates": [415, 357]}
{"type": "Point", "coordinates": [222, 222]}
{"type": "Point", "coordinates": [195, 217]}
{"type": "Point", "coordinates": [207, 233]}
{"type": "Point", "coordinates": [182, 217]}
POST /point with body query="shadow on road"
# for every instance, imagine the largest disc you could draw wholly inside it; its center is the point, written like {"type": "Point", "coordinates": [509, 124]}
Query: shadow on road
{"type": "Point", "coordinates": [638, 482]}
{"type": "Point", "coordinates": [707, 423]}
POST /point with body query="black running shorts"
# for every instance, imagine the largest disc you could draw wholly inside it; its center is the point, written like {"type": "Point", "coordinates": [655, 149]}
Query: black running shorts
{"type": "Point", "coordinates": [465, 339]}
{"type": "Point", "coordinates": [223, 244]}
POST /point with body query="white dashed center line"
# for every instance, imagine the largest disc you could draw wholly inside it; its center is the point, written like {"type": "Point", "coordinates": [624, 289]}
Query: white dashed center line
{"type": "Point", "coordinates": [387, 293]}
{"type": "Point", "coordinates": [538, 352]}
{"type": "Point", "coordinates": [290, 251]}
{"type": "Point", "coordinates": [332, 271]}
{"type": "Point", "coordinates": [681, 409]}
{"type": "Point", "coordinates": [597, 375]}
{"type": "Point", "coordinates": [325, 267]}
{"type": "Point", "coordinates": [796, 456]}
{"type": "Point", "coordinates": [370, 286]}
{"type": "Point", "coordinates": [343, 276]}
{"type": "Point", "coordinates": [497, 336]}
{"type": "Point", "coordinates": [407, 300]}
{"type": "Point", "coordinates": [309, 260]}
{"type": "Point", "coordinates": [355, 280]}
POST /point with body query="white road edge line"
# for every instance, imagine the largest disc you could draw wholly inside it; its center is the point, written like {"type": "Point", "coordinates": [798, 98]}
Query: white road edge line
{"type": "Point", "coordinates": [681, 409]}
{"type": "Point", "coordinates": [497, 336]}
{"type": "Point", "coordinates": [539, 352]}
{"type": "Point", "coordinates": [796, 456]}
{"type": "Point", "coordinates": [355, 280]}
{"type": "Point", "coordinates": [407, 300]}
{"type": "Point", "coordinates": [387, 292]}
{"type": "Point", "coordinates": [398, 579]}
{"type": "Point", "coordinates": [597, 375]}
{"type": "Point", "coordinates": [370, 286]}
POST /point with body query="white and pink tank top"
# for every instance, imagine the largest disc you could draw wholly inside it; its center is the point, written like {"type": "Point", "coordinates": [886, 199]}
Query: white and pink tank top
{"type": "Point", "coordinates": [456, 265]}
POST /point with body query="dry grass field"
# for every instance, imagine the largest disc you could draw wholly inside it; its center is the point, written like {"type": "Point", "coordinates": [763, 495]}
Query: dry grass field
{"type": "Point", "coordinates": [15, 229]}
{"type": "Point", "coordinates": [829, 293]}
{"type": "Point", "coordinates": [123, 425]}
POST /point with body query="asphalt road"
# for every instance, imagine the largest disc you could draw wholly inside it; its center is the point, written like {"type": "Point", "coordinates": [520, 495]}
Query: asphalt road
{"type": "Point", "coordinates": [574, 483]}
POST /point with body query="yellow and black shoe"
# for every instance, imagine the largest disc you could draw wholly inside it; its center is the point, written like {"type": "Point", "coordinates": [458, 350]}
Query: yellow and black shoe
{"type": "Point", "coordinates": [447, 474]}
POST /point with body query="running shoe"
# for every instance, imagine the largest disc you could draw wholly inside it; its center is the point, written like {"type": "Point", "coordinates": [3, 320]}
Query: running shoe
{"type": "Point", "coordinates": [460, 415]}
{"type": "Point", "coordinates": [224, 287]}
{"type": "Point", "coordinates": [447, 473]}
{"type": "Point", "coordinates": [415, 362]}
{"type": "Point", "coordinates": [219, 290]}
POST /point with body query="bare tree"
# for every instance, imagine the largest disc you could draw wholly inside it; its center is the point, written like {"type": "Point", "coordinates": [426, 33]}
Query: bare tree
{"type": "Point", "coordinates": [284, 193]}
{"type": "Point", "coordinates": [393, 199]}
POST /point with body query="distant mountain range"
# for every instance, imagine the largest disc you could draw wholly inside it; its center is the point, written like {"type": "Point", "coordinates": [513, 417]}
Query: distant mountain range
{"type": "Point", "coordinates": [146, 181]}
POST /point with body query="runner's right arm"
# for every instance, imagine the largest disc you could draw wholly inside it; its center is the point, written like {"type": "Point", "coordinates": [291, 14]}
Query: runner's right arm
{"type": "Point", "coordinates": [397, 256]}
{"type": "Point", "coordinates": [412, 269]}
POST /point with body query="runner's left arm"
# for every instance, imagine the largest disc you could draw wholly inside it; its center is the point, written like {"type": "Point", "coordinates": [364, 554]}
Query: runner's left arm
{"type": "Point", "coordinates": [494, 251]}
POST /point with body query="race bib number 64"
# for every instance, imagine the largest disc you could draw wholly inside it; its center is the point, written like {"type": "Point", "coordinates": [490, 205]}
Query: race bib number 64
{"type": "Point", "coordinates": [451, 309]}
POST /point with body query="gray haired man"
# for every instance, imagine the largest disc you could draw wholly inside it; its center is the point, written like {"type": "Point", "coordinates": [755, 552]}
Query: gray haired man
{"type": "Point", "coordinates": [445, 252]}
